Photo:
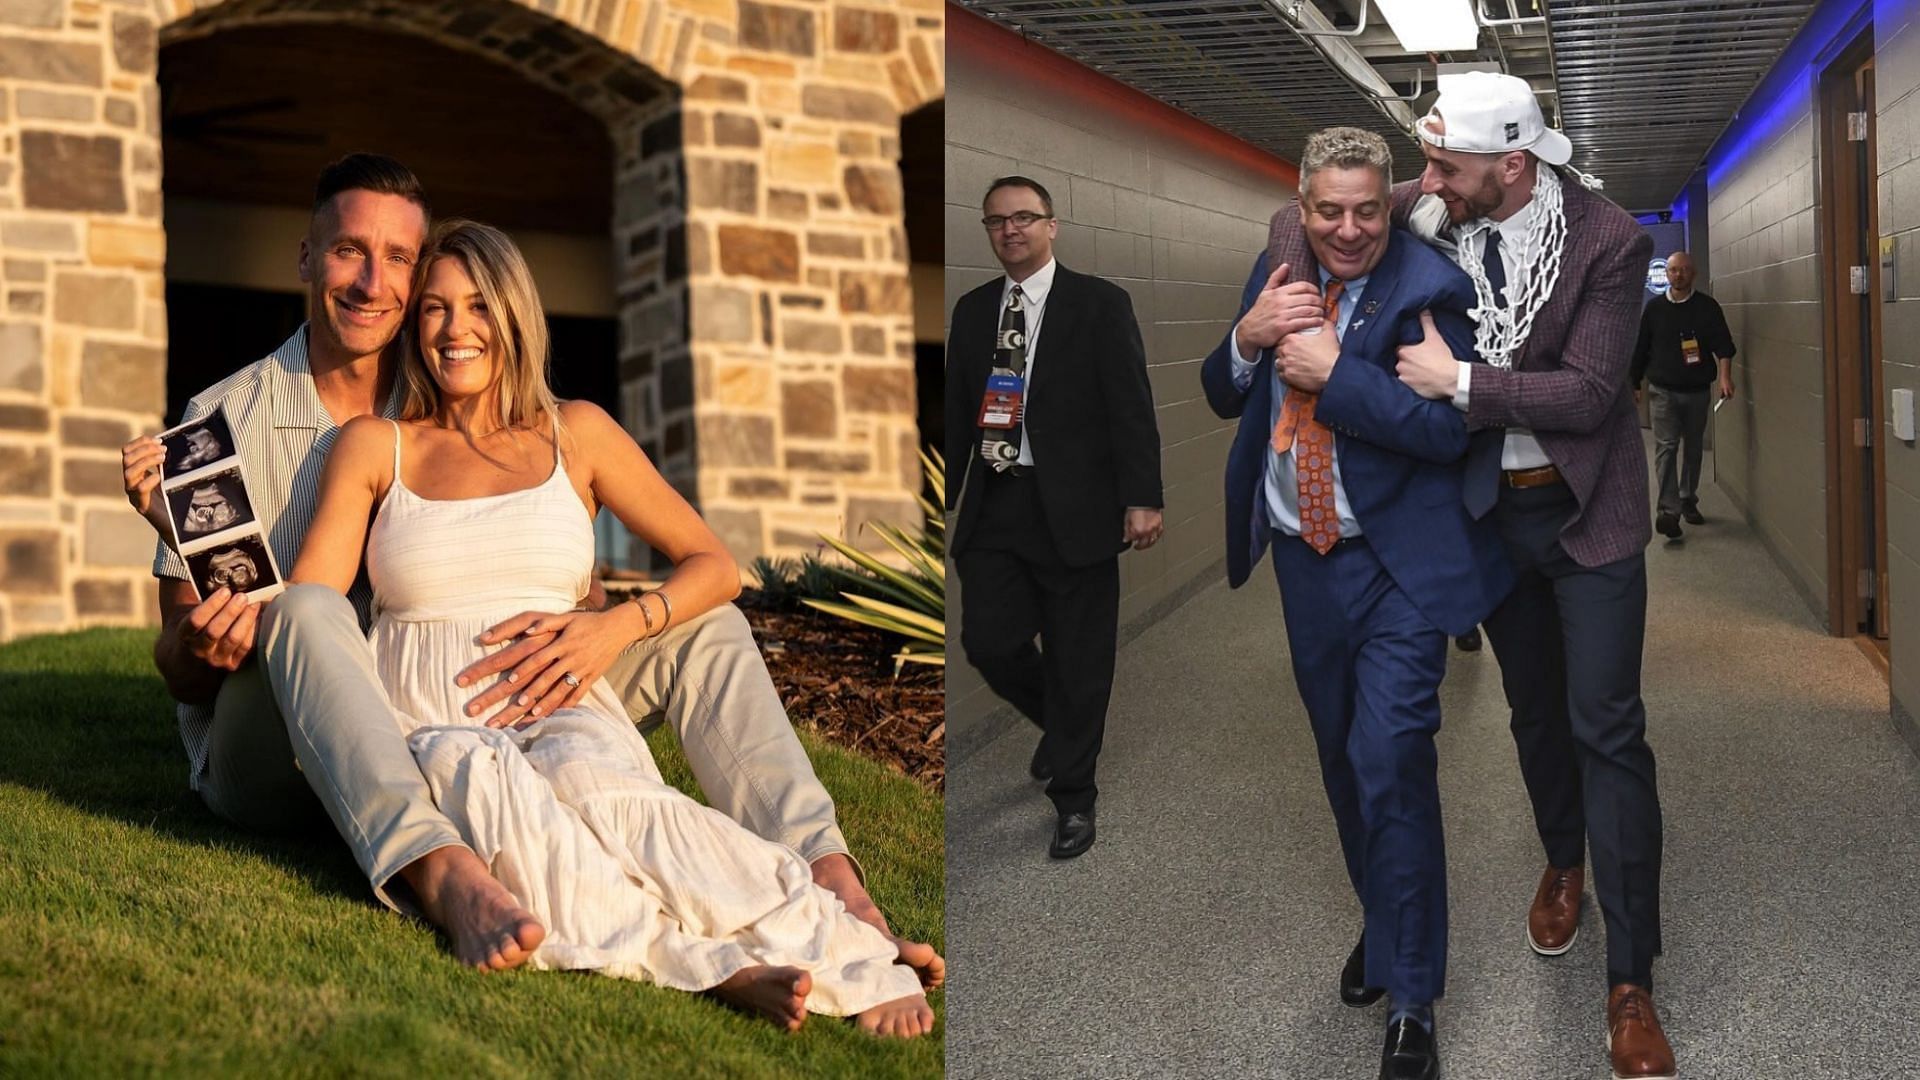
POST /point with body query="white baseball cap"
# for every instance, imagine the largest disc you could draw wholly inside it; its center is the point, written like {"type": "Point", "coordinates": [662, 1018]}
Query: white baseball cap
{"type": "Point", "coordinates": [1485, 112]}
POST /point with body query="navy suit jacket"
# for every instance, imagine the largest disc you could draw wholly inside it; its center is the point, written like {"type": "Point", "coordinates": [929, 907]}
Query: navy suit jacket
{"type": "Point", "coordinates": [1402, 457]}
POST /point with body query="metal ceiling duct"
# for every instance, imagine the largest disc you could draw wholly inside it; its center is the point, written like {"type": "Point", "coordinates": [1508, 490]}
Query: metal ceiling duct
{"type": "Point", "coordinates": [1646, 87]}
{"type": "Point", "coordinates": [1642, 87]}
{"type": "Point", "coordinates": [1235, 64]}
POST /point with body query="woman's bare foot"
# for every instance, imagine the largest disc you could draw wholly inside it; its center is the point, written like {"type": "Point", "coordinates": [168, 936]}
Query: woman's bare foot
{"type": "Point", "coordinates": [777, 993]}
{"type": "Point", "coordinates": [836, 874]}
{"type": "Point", "coordinates": [901, 1018]}
{"type": "Point", "coordinates": [918, 955]}
{"type": "Point", "coordinates": [489, 928]}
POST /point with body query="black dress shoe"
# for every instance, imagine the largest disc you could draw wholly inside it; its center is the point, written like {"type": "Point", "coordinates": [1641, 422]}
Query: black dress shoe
{"type": "Point", "coordinates": [1410, 1053]}
{"type": "Point", "coordinates": [1354, 990]}
{"type": "Point", "coordinates": [1039, 768]}
{"type": "Point", "coordinates": [1692, 516]}
{"type": "Point", "coordinates": [1469, 641]}
{"type": "Point", "coordinates": [1073, 836]}
{"type": "Point", "coordinates": [1667, 525]}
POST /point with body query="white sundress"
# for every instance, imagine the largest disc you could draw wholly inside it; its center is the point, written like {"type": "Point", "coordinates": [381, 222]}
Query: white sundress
{"type": "Point", "coordinates": [628, 875]}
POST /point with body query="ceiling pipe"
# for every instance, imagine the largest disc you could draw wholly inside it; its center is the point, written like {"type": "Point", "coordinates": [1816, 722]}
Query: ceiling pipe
{"type": "Point", "coordinates": [1480, 10]}
{"type": "Point", "coordinates": [1419, 87]}
{"type": "Point", "coordinates": [1292, 10]}
{"type": "Point", "coordinates": [1519, 25]}
{"type": "Point", "coordinates": [1340, 54]}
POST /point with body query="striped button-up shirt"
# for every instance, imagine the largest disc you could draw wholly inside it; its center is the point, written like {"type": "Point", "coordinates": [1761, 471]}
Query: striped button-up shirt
{"type": "Point", "coordinates": [284, 434]}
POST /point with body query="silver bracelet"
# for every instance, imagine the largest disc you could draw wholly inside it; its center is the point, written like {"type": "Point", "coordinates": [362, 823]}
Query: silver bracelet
{"type": "Point", "coordinates": [646, 615]}
{"type": "Point", "coordinates": [666, 606]}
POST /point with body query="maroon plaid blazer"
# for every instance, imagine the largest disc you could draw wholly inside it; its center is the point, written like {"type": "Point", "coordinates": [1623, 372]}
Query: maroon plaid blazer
{"type": "Point", "coordinates": [1569, 386]}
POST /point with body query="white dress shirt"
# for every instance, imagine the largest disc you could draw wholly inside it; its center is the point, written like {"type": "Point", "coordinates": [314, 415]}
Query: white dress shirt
{"type": "Point", "coordinates": [1283, 484]}
{"type": "Point", "coordinates": [1521, 450]}
{"type": "Point", "coordinates": [1035, 289]}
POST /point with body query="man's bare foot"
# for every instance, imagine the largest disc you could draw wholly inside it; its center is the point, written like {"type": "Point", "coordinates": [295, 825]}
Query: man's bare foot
{"type": "Point", "coordinates": [836, 874]}
{"type": "Point", "coordinates": [777, 993]}
{"type": "Point", "coordinates": [901, 1018]}
{"type": "Point", "coordinates": [489, 928]}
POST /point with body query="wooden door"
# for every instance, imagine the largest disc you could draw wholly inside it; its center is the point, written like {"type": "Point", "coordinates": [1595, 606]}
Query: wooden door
{"type": "Point", "coordinates": [1856, 456]}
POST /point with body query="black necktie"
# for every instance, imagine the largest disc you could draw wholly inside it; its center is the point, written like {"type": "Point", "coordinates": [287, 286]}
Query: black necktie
{"type": "Point", "coordinates": [1001, 446]}
{"type": "Point", "coordinates": [1496, 268]}
{"type": "Point", "coordinates": [1482, 487]}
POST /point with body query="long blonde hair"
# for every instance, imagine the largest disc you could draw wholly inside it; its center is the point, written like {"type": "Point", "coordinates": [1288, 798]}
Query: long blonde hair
{"type": "Point", "coordinates": [519, 324]}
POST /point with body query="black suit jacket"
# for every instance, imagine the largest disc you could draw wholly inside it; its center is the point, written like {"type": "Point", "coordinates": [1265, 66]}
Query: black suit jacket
{"type": "Point", "coordinates": [1096, 448]}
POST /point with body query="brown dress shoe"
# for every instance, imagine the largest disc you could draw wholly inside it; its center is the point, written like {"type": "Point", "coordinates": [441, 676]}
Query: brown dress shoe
{"type": "Point", "coordinates": [1634, 1039]}
{"type": "Point", "coordinates": [1554, 920]}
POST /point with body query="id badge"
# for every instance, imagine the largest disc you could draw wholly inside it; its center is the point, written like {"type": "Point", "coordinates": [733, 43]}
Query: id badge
{"type": "Point", "coordinates": [1690, 349]}
{"type": "Point", "coordinates": [1001, 407]}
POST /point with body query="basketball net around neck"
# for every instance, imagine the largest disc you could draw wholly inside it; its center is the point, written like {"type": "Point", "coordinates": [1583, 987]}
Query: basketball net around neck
{"type": "Point", "coordinates": [1500, 333]}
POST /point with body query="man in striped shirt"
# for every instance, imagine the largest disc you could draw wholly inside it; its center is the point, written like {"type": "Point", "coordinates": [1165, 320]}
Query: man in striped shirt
{"type": "Point", "coordinates": [279, 703]}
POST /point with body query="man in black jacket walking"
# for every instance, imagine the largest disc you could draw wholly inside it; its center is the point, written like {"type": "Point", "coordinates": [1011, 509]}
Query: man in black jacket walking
{"type": "Point", "coordinates": [1685, 351]}
{"type": "Point", "coordinates": [1050, 431]}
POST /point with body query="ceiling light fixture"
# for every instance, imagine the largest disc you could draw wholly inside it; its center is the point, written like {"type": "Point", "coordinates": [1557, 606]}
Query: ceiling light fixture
{"type": "Point", "coordinates": [1425, 26]}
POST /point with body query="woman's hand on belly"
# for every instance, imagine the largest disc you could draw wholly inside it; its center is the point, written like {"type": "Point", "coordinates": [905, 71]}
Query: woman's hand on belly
{"type": "Point", "coordinates": [553, 646]}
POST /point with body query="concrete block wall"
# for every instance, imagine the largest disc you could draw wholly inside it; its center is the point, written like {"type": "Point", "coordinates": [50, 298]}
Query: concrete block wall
{"type": "Point", "coordinates": [1766, 249]}
{"type": "Point", "coordinates": [1769, 448]}
{"type": "Point", "coordinates": [1897, 140]}
{"type": "Point", "coordinates": [1149, 200]}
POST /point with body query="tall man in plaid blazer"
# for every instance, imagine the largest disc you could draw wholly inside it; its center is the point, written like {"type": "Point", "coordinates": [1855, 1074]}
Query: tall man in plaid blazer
{"type": "Point", "coordinates": [1558, 271]}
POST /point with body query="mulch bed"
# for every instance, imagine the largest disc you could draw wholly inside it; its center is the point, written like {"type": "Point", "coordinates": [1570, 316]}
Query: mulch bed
{"type": "Point", "coordinates": [836, 679]}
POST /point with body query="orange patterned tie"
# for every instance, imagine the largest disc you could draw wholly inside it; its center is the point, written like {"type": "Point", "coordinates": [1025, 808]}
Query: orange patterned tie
{"type": "Point", "coordinates": [1312, 444]}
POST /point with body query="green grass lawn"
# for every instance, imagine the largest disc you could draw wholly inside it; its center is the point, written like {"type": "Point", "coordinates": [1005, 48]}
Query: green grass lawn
{"type": "Point", "coordinates": [143, 935]}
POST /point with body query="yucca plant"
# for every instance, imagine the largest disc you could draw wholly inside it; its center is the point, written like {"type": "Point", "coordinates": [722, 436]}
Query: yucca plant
{"type": "Point", "coordinates": [911, 601]}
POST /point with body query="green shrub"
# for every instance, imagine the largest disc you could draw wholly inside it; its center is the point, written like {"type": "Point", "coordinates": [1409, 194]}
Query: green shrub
{"type": "Point", "coordinates": [909, 601]}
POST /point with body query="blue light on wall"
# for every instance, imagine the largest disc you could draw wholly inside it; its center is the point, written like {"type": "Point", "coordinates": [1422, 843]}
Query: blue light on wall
{"type": "Point", "coordinates": [1759, 122]}
{"type": "Point", "coordinates": [1785, 94]}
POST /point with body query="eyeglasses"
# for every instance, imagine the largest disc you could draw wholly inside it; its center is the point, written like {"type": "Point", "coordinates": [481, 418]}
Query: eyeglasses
{"type": "Point", "coordinates": [1022, 220]}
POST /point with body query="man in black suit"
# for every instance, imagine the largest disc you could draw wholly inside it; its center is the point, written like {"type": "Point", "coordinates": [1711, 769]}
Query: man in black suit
{"type": "Point", "coordinates": [1050, 432]}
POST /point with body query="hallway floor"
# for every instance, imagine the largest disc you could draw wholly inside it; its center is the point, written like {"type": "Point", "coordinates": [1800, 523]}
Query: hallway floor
{"type": "Point", "coordinates": [1203, 934]}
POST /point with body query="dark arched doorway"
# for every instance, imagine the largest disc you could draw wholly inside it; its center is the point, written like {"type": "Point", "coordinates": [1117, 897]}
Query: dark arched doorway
{"type": "Point", "coordinates": [922, 170]}
{"type": "Point", "coordinates": [252, 112]}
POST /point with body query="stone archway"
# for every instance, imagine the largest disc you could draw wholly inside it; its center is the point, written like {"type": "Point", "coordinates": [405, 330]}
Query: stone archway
{"type": "Point", "coordinates": [760, 259]}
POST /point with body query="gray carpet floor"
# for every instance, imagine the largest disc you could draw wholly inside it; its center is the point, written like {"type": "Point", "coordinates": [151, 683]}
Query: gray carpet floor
{"type": "Point", "coordinates": [1203, 934]}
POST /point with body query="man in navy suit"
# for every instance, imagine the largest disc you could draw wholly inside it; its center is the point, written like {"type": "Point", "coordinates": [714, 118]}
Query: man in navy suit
{"type": "Point", "coordinates": [1356, 482]}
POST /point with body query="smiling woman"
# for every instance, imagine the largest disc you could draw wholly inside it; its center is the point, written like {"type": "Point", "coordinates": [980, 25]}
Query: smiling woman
{"type": "Point", "coordinates": [480, 328]}
{"type": "Point", "coordinates": [617, 872]}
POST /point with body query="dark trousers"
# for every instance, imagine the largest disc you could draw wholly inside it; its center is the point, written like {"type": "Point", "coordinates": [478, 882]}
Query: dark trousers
{"type": "Point", "coordinates": [1679, 429]}
{"type": "Point", "coordinates": [1368, 666]}
{"type": "Point", "coordinates": [1569, 639]}
{"type": "Point", "coordinates": [1017, 588]}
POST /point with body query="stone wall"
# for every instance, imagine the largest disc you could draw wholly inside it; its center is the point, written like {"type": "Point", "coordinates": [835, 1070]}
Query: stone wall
{"type": "Point", "coordinates": [83, 332]}
{"type": "Point", "coordinates": [765, 307]}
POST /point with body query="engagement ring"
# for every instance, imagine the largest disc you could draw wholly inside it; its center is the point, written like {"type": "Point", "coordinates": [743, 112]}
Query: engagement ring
{"type": "Point", "coordinates": [570, 678]}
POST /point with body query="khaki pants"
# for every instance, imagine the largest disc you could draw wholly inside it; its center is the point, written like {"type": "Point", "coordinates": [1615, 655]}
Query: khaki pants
{"type": "Point", "coordinates": [313, 664]}
{"type": "Point", "coordinates": [1679, 432]}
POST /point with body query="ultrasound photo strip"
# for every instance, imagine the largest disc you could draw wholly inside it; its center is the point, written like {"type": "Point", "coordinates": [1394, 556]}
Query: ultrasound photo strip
{"type": "Point", "coordinates": [209, 503]}
{"type": "Point", "coordinates": [241, 562]}
{"type": "Point", "coordinates": [197, 446]}
{"type": "Point", "coordinates": [210, 512]}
